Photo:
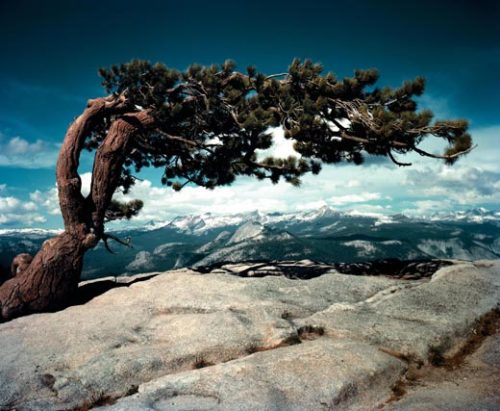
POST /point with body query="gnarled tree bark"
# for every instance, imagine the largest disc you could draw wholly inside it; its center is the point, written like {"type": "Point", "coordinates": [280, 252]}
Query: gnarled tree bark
{"type": "Point", "coordinates": [49, 279]}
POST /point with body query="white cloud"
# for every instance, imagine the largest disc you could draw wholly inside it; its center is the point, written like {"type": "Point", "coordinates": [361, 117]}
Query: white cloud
{"type": "Point", "coordinates": [354, 198]}
{"type": "Point", "coordinates": [334, 187]}
{"type": "Point", "coordinates": [18, 152]}
{"type": "Point", "coordinates": [18, 145]}
{"type": "Point", "coordinates": [86, 180]}
{"type": "Point", "coordinates": [15, 211]}
{"type": "Point", "coordinates": [428, 207]}
{"type": "Point", "coordinates": [487, 153]}
{"type": "Point", "coordinates": [247, 195]}
{"type": "Point", "coordinates": [439, 105]}
{"type": "Point", "coordinates": [29, 206]}
{"type": "Point", "coordinates": [371, 209]}
{"type": "Point", "coordinates": [353, 183]}
{"type": "Point", "coordinates": [162, 203]}
{"type": "Point", "coordinates": [21, 220]}
{"type": "Point", "coordinates": [464, 185]}
{"type": "Point", "coordinates": [47, 199]}
{"type": "Point", "coordinates": [9, 204]}
{"type": "Point", "coordinates": [281, 148]}
{"type": "Point", "coordinates": [426, 187]}
{"type": "Point", "coordinates": [312, 205]}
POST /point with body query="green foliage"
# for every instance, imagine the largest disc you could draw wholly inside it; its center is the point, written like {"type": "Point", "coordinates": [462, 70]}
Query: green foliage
{"type": "Point", "coordinates": [119, 210]}
{"type": "Point", "coordinates": [211, 120]}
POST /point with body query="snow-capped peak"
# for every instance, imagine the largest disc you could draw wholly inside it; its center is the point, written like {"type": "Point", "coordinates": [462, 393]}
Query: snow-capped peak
{"type": "Point", "coordinates": [200, 224]}
{"type": "Point", "coordinates": [324, 211]}
{"type": "Point", "coordinates": [40, 232]}
{"type": "Point", "coordinates": [474, 215]}
{"type": "Point", "coordinates": [189, 223]}
{"type": "Point", "coordinates": [247, 231]}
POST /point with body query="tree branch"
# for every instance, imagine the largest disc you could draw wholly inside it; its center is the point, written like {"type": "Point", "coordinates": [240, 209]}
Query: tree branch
{"type": "Point", "coordinates": [71, 200]}
{"type": "Point", "coordinates": [276, 75]}
{"type": "Point", "coordinates": [109, 160]}
{"type": "Point", "coordinates": [398, 163]}
{"type": "Point", "coordinates": [106, 236]}
{"type": "Point", "coordinates": [400, 144]}
{"type": "Point", "coordinates": [177, 138]}
{"type": "Point", "coordinates": [443, 157]}
{"type": "Point", "coordinates": [267, 166]}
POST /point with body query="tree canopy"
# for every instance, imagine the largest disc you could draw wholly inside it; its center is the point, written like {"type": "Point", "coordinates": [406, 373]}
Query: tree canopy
{"type": "Point", "coordinates": [209, 121]}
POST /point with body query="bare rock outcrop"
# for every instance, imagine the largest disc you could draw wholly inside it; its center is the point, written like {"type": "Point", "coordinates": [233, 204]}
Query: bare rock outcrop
{"type": "Point", "coordinates": [218, 341]}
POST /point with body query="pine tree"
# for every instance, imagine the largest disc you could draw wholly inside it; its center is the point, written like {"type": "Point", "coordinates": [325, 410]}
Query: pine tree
{"type": "Point", "coordinates": [203, 126]}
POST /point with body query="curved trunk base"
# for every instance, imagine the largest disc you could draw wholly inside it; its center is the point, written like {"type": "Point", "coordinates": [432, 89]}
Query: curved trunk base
{"type": "Point", "coordinates": [48, 282]}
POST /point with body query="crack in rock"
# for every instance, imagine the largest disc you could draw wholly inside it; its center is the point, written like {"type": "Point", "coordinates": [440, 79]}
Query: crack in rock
{"type": "Point", "coordinates": [451, 360]}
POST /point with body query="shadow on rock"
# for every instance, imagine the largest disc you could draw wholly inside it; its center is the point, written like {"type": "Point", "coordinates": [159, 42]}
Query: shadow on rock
{"type": "Point", "coordinates": [307, 269]}
{"type": "Point", "coordinates": [88, 291]}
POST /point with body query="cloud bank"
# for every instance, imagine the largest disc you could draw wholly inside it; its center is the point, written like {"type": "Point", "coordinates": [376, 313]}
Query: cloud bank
{"type": "Point", "coordinates": [428, 186]}
{"type": "Point", "coordinates": [18, 152]}
{"type": "Point", "coordinates": [15, 211]}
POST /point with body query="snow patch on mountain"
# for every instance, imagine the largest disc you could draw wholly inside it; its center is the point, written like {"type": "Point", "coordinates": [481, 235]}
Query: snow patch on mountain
{"type": "Point", "coordinates": [143, 261]}
{"type": "Point", "coordinates": [443, 248]}
{"type": "Point", "coordinates": [27, 232]}
{"type": "Point", "coordinates": [495, 247]}
{"type": "Point", "coordinates": [218, 241]}
{"type": "Point", "coordinates": [199, 224]}
{"type": "Point", "coordinates": [392, 242]}
{"type": "Point", "coordinates": [475, 215]}
{"type": "Point", "coordinates": [236, 252]}
{"type": "Point", "coordinates": [365, 248]}
{"type": "Point", "coordinates": [330, 227]}
{"type": "Point", "coordinates": [454, 248]}
{"type": "Point", "coordinates": [161, 249]}
{"type": "Point", "coordinates": [190, 223]}
{"type": "Point", "coordinates": [322, 212]}
{"type": "Point", "coordinates": [247, 231]}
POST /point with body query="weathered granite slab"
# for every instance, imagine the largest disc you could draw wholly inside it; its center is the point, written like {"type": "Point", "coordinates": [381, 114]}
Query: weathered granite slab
{"type": "Point", "coordinates": [185, 340]}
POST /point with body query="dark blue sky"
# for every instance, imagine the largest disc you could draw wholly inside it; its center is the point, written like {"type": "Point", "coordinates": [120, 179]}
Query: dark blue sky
{"type": "Point", "coordinates": [51, 51]}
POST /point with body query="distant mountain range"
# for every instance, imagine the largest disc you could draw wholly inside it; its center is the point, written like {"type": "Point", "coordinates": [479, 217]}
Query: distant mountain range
{"type": "Point", "coordinates": [323, 235]}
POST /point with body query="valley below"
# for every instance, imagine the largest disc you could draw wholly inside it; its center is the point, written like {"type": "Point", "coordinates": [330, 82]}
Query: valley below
{"type": "Point", "coordinates": [323, 235]}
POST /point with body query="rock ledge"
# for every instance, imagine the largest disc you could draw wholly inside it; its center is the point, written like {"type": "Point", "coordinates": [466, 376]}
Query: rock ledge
{"type": "Point", "coordinates": [183, 340]}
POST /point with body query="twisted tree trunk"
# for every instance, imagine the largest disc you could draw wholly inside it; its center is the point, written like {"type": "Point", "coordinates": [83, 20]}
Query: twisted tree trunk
{"type": "Point", "coordinates": [48, 281]}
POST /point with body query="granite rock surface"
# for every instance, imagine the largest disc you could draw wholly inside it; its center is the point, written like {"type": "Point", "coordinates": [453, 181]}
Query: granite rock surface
{"type": "Point", "coordinates": [185, 340]}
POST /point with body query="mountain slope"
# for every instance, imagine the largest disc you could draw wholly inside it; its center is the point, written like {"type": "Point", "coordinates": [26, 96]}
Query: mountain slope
{"type": "Point", "coordinates": [322, 235]}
